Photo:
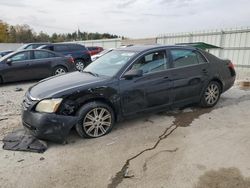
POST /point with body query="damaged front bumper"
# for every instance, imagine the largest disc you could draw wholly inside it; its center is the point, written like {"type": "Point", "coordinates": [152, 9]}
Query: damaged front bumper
{"type": "Point", "coordinates": [48, 126]}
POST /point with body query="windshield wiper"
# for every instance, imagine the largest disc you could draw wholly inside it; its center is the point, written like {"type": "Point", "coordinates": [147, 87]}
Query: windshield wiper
{"type": "Point", "coordinates": [94, 74]}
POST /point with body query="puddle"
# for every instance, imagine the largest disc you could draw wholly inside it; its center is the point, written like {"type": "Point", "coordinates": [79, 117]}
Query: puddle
{"type": "Point", "coordinates": [184, 119]}
{"type": "Point", "coordinates": [186, 116]}
{"type": "Point", "coordinates": [223, 178]}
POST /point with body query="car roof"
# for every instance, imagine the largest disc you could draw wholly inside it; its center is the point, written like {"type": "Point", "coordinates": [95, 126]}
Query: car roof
{"type": "Point", "coordinates": [37, 43]}
{"type": "Point", "coordinates": [66, 43]}
{"type": "Point", "coordinates": [35, 50]}
{"type": "Point", "coordinates": [25, 50]}
{"type": "Point", "coordinates": [141, 48]}
{"type": "Point", "coordinates": [61, 43]}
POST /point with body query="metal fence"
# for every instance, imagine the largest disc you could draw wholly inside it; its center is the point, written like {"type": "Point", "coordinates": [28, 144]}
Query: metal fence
{"type": "Point", "coordinates": [9, 46]}
{"type": "Point", "coordinates": [105, 43]}
{"type": "Point", "coordinates": [234, 43]}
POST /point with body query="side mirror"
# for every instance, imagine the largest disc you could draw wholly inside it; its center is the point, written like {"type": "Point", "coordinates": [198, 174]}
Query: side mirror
{"type": "Point", "coordinates": [132, 74]}
{"type": "Point", "coordinates": [9, 61]}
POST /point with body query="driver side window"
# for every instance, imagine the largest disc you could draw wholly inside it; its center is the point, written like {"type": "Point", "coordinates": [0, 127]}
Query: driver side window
{"type": "Point", "coordinates": [22, 56]}
{"type": "Point", "coordinates": [153, 62]}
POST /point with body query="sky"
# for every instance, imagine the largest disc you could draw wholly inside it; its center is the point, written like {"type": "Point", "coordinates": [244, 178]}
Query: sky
{"type": "Point", "coordinates": [129, 18]}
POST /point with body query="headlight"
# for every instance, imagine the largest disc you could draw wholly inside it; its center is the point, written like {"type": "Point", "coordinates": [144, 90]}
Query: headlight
{"type": "Point", "coordinates": [48, 105]}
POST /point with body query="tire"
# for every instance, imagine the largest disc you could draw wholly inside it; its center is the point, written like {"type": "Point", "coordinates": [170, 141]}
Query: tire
{"type": "Point", "coordinates": [1, 80]}
{"type": "Point", "coordinates": [80, 64]}
{"type": "Point", "coordinates": [96, 120]}
{"type": "Point", "coordinates": [59, 70]}
{"type": "Point", "coordinates": [211, 94]}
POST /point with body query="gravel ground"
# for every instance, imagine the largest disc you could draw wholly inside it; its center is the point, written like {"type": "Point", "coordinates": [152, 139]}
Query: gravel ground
{"type": "Point", "coordinates": [200, 148]}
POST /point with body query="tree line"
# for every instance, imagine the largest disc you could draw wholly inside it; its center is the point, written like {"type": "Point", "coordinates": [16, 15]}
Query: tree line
{"type": "Point", "coordinates": [25, 34]}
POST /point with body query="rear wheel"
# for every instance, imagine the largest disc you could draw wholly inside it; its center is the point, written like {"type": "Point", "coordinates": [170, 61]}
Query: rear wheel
{"type": "Point", "coordinates": [96, 120]}
{"type": "Point", "coordinates": [1, 80]}
{"type": "Point", "coordinates": [211, 95]}
{"type": "Point", "coordinates": [80, 64]}
{"type": "Point", "coordinates": [59, 70]}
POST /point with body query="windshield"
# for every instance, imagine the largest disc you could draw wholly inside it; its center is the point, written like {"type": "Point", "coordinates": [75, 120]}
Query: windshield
{"type": "Point", "coordinates": [110, 63]}
{"type": "Point", "coordinates": [2, 58]}
{"type": "Point", "coordinates": [6, 56]}
{"type": "Point", "coordinates": [22, 47]}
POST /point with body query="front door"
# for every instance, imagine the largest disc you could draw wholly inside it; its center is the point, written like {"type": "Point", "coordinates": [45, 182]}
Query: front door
{"type": "Point", "coordinates": [18, 68]}
{"type": "Point", "coordinates": [152, 89]}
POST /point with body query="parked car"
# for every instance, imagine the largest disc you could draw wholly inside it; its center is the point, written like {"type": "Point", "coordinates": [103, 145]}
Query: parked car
{"type": "Point", "coordinates": [33, 64]}
{"type": "Point", "coordinates": [94, 50]}
{"type": "Point", "coordinates": [3, 53]}
{"type": "Point", "coordinates": [79, 52]}
{"type": "Point", "coordinates": [124, 83]}
{"type": "Point", "coordinates": [30, 46]}
{"type": "Point", "coordinates": [94, 57]}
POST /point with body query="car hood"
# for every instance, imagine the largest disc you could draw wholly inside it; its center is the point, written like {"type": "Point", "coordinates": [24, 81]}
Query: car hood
{"type": "Point", "coordinates": [57, 86]}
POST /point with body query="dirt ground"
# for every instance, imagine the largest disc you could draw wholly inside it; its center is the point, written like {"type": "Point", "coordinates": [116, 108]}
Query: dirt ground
{"type": "Point", "coordinates": [192, 148]}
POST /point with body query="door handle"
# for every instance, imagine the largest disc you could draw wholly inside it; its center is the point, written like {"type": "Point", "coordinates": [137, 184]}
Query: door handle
{"type": "Point", "coordinates": [165, 78]}
{"type": "Point", "coordinates": [205, 71]}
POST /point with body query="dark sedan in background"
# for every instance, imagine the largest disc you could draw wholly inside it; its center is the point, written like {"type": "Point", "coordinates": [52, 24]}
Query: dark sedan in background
{"type": "Point", "coordinates": [27, 46]}
{"type": "Point", "coordinates": [123, 83]}
{"type": "Point", "coordinates": [33, 64]}
{"type": "Point", "coordinates": [30, 46]}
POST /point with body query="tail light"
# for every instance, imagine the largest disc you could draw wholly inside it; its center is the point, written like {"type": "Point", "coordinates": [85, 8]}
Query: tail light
{"type": "Point", "coordinates": [88, 52]}
{"type": "Point", "coordinates": [71, 60]}
{"type": "Point", "coordinates": [231, 65]}
{"type": "Point", "coordinates": [231, 68]}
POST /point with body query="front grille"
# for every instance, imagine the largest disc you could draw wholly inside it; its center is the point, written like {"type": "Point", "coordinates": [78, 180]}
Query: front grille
{"type": "Point", "coordinates": [27, 102]}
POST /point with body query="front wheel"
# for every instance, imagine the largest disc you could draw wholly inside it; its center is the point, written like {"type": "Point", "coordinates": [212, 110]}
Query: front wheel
{"type": "Point", "coordinates": [211, 94]}
{"type": "Point", "coordinates": [96, 120]}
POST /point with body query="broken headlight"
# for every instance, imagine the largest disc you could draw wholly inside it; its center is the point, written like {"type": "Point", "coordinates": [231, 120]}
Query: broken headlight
{"type": "Point", "coordinates": [48, 105]}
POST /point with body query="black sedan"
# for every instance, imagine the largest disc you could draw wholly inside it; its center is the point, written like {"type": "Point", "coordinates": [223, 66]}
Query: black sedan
{"type": "Point", "coordinates": [123, 83]}
{"type": "Point", "coordinates": [33, 64]}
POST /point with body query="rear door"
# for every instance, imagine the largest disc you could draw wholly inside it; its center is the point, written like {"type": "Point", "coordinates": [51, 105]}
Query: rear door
{"type": "Point", "coordinates": [190, 72]}
{"type": "Point", "coordinates": [150, 91]}
{"type": "Point", "coordinates": [19, 67]}
{"type": "Point", "coordinates": [40, 66]}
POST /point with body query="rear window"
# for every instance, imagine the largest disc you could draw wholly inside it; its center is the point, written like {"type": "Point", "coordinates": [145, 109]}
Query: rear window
{"type": "Point", "coordinates": [45, 47]}
{"type": "Point", "coordinates": [42, 55]}
{"type": "Point", "coordinates": [183, 57]}
{"type": "Point", "coordinates": [200, 57]}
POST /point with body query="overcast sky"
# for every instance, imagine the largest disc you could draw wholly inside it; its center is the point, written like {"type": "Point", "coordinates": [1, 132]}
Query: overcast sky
{"type": "Point", "coordinates": [131, 18]}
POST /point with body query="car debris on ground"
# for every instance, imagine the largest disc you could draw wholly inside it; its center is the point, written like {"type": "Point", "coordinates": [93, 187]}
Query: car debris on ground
{"type": "Point", "coordinates": [18, 89]}
{"type": "Point", "coordinates": [21, 140]}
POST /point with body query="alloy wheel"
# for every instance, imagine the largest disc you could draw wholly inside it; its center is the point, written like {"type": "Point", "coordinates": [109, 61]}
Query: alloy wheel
{"type": "Point", "coordinates": [80, 65]}
{"type": "Point", "coordinates": [212, 94]}
{"type": "Point", "coordinates": [59, 71]}
{"type": "Point", "coordinates": [97, 122]}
